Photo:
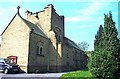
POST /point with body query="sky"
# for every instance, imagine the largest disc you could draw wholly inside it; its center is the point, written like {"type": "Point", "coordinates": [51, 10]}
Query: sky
{"type": "Point", "coordinates": [82, 18]}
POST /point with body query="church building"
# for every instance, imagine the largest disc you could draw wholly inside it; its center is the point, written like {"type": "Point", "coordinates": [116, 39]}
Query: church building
{"type": "Point", "coordinates": [39, 43]}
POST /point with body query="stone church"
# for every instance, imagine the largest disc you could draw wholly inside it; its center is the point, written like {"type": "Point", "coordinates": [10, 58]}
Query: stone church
{"type": "Point", "coordinates": [40, 44]}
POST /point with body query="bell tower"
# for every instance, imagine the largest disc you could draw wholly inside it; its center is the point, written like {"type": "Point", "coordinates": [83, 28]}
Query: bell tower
{"type": "Point", "coordinates": [52, 25]}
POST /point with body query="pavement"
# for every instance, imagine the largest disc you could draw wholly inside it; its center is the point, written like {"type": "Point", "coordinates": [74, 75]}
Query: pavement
{"type": "Point", "coordinates": [31, 76]}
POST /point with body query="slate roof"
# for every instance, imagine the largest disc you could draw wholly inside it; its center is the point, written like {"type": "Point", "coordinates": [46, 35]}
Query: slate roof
{"type": "Point", "coordinates": [34, 27]}
{"type": "Point", "coordinates": [71, 43]}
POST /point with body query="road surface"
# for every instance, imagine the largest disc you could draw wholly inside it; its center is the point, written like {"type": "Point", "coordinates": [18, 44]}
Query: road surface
{"type": "Point", "coordinates": [31, 76]}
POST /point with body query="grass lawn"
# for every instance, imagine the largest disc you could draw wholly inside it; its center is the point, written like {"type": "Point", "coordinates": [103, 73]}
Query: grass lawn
{"type": "Point", "coordinates": [81, 74]}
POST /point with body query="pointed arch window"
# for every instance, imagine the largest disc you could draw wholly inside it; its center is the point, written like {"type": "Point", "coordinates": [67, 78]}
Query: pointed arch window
{"type": "Point", "coordinates": [39, 49]}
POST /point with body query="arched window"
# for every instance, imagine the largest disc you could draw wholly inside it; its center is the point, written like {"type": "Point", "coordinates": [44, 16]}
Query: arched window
{"type": "Point", "coordinates": [39, 48]}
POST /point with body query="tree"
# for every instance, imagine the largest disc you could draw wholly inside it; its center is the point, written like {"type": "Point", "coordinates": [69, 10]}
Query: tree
{"type": "Point", "coordinates": [98, 38]}
{"type": "Point", "coordinates": [84, 46]}
{"type": "Point", "coordinates": [105, 61]}
{"type": "Point", "coordinates": [118, 70]}
{"type": "Point", "coordinates": [101, 65]}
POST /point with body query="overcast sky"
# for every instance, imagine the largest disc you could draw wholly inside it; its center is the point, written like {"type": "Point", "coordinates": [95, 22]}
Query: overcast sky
{"type": "Point", "coordinates": [82, 18]}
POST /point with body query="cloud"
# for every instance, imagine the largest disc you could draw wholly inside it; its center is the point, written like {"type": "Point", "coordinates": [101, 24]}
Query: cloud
{"type": "Point", "coordinates": [7, 14]}
{"type": "Point", "coordinates": [87, 19]}
{"type": "Point", "coordinates": [77, 19]}
{"type": "Point", "coordinates": [89, 13]}
{"type": "Point", "coordinates": [90, 9]}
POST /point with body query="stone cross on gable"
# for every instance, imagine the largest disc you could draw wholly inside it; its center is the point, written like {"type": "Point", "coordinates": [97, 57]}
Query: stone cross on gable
{"type": "Point", "coordinates": [18, 9]}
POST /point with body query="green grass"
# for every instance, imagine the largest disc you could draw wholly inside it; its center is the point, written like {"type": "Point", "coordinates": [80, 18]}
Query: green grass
{"type": "Point", "coordinates": [83, 74]}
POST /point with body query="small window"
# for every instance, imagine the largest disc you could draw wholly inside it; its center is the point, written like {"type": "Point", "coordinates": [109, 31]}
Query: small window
{"type": "Point", "coordinates": [40, 50]}
{"type": "Point", "coordinates": [37, 50]}
{"type": "Point", "coordinates": [75, 52]}
{"type": "Point", "coordinates": [67, 55]}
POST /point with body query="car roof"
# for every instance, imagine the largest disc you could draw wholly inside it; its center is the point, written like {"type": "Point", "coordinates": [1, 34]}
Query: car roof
{"type": "Point", "coordinates": [2, 58]}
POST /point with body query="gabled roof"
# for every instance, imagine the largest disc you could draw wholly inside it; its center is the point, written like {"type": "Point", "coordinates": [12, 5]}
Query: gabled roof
{"type": "Point", "coordinates": [32, 26]}
{"type": "Point", "coordinates": [71, 43]}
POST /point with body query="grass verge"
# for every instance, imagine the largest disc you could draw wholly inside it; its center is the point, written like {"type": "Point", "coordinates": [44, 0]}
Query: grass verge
{"type": "Point", "coordinates": [81, 74]}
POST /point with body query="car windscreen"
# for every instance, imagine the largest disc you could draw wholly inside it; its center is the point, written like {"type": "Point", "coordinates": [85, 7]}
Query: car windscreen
{"type": "Point", "coordinates": [8, 61]}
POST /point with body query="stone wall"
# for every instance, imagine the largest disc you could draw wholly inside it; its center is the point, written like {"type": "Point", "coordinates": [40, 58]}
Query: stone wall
{"type": "Point", "coordinates": [38, 62]}
{"type": "Point", "coordinates": [72, 58]}
{"type": "Point", "coordinates": [53, 26]}
{"type": "Point", "coordinates": [15, 42]}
